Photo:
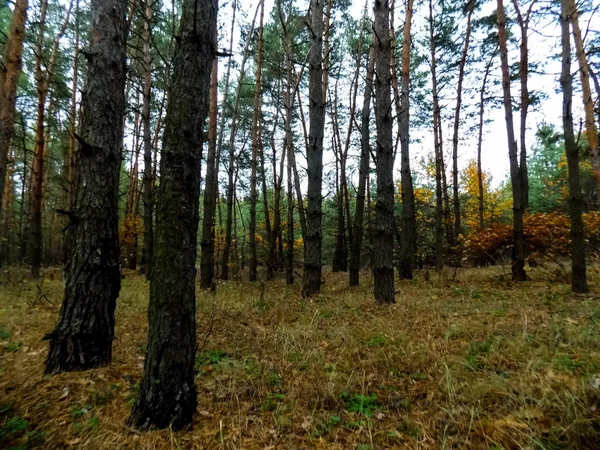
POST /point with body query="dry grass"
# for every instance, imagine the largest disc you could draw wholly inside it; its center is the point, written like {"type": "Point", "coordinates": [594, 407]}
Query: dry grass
{"type": "Point", "coordinates": [474, 363]}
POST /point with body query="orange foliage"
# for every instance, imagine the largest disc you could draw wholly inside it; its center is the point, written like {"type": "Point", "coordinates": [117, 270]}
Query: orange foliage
{"type": "Point", "coordinates": [546, 234]}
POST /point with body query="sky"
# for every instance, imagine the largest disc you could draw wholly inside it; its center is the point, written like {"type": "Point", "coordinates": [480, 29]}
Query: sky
{"type": "Point", "coordinates": [544, 40]}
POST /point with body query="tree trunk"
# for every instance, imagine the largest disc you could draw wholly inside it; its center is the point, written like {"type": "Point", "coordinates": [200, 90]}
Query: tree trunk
{"type": "Point", "coordinates": [43, 81]}
{"type": "Point", "coordinates": [383, 243]}
{"type": "Point", "coordinates": [578, 277]}
{"type": "Point", "coordinates": [289, 149]}
{"type": "Point", "coordinates": [10, 71]}
{"type": "Point", "coordinates": [439, 165]}
{"type": "Point", "coordinates": [340, 258]}
{"type": "Point", "coordinates": [311, 276]}
{"type": "Point", "coordinates": [518, 252]}
{"type": "Point", "coordinates": [167, 394]}
{"type": "Point", "coordinates": [130, 233]}
{"type": "Point", "coordinates": [482, 99]}
{"type": "Point", "coordinates": [147, 180]}
{"type": "Point", "coordinates": [523, 77]}
{"type": "Point", "coordinates": [273, 261]}
{"type": "Point", "coordinates": [69, 162]}
{"type": "Point", "coordinates": [365, 151]}
{"type": "Point", "coordinates": [83, 336]}
{"type": "Point", "coordinates": [588, 102]}
{"type": "Point", "coordinates": [461, 75]}
{"type": "Point", "coordinates": [253, 267]}
{"type": "Point", "coordinates": [408, 244]}
{"type": "Point", "coordinates": [207, 266]}
{"type": "Point", "coordinates": [7, 211]}
{"type": "Point", "coordinates": [224, 275]}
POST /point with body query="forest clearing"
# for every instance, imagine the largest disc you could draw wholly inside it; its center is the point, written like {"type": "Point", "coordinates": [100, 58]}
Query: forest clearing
{"type": "Point", "coordinates": [475, 363]}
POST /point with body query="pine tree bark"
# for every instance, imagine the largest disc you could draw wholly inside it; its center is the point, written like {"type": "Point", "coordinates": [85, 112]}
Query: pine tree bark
{"type": "Point", "coordinates": [207, 259]}
{"type": "Point", "coordinates": [256, 115]}
{"type": "Point", "coordinates": [10, 71]}
{"type": "Point", "coordinates": [383, 242]}
{"type": "Point", "coordinates": [83, 336]}
{"type": "Point", "coordinates": [518, 252]}
{"type": "Point", "coordinates": [408, 244]}
{"type": "Point", "coordinates": [167, 394]}
{"type": "Point", "coordinates": [311, 275]}
{"type": "Point", "coordinates": [365, 152]}
{"type": "Point", "coordinates": [147, 137]}
{"type": "Point", "coordinates": [588, 102]}
{"type": "Point", "coordinates": [578, 276]}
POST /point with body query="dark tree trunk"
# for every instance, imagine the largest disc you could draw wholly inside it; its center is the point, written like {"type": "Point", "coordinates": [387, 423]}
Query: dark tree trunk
{"type": "Point", "coordinates": [207, 258]}
{"type": "Point", "coordinates": [167, 395]}
{"type": "Point", "coordinates": [383, 243]}
{"type": "Point", "coordinates": [408, 245]}
{"type": "Point", "coordinates": [439, 164]}
{"type": "Point", "coordinates": [69, 163]}
{"type": "Point", "coordinates": [365, 152]}
{"type": "Point", "coordinates": [525, 101]}
{"type": "Point", "coordinates": [518, 252]}
{"type": "Point", "coordinates": [10, 71]}
{"type": "Point", "coordinates": [311, 276]}
{"type": "Point", "coordinates": [256, 148]}
{"type": "Point", "coordinates": [578, 277]}
{"type": "Point", "coordinates": [83, 336]}
{"type": "Point", "coordinates": [148, 175]}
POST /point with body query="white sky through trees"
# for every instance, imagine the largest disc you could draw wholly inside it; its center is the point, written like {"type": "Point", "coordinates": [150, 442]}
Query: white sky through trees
{"type": "Point", "coordinates": [544, 43]}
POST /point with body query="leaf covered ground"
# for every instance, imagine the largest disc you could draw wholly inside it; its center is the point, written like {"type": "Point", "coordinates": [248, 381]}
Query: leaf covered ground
{"type": "Point", "coordinates": [473, 363]}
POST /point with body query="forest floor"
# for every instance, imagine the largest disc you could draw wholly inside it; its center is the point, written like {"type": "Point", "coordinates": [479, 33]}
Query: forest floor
{"type": "Point", "coordinates": [473, 363]}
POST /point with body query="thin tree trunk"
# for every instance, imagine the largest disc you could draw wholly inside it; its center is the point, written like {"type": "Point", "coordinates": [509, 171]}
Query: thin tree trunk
{"type": "Point", "coordinates": [439, 165]}
{"type": "Point", "coordinates": [7, 210]}
{"type": "Point", "coordinates": [69, 162]}
{"type": "Point", "coordinates": [84, 334]}
{"type": "Point", "coordinates": [207, 266]}
{"type": "Point", "coordinates": [148, 175]}
{"type": "Point", "coordinates": [231, 146]}
{"type": "Point", "coordinates": [461, 75]}
{"type": "Point", "coordinates": [311, 276]}
{"type": "Point", "coordinates": [408, 244]}
{"type": "Point", "coordinates": [253, 268]}
{"type": "Point", "coordinates": [130, 237]}
{"type": "Point", "coordinates": [518, 252]}
{"type": "Point", "coordinates": [340, 258]}
{"type": "Point", "coordinates": [43, 81]}
{"type": "Point", "coordinates": [578, 278]}
{"type": "Point", "coordinates": [588, 102]}
{"type": "Point", "coordinates": [289, 149]}
{"type": "Point", "coordinates": [365, 151]}
{"type": "Point", "coordinates": [10, 71]}
{"type": "Point", "coordinates": [383, 244]}
{"type": "Point", "coordinates": [263, 178]}
{"type": "Point", "coordinates": [480, 138]}
{"type": "Point", "coordinates": [167, 394]}
{"type": "Point", "coordinates": [525, 101]}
